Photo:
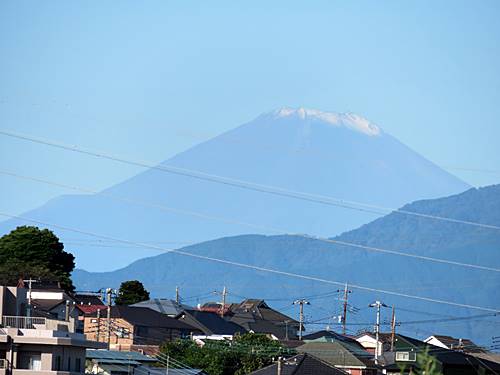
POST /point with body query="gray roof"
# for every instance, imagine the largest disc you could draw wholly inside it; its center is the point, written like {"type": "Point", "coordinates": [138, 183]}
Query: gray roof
{"type": "Point", "coordinates": [172, 371]}
{"type": "Point", "coordinates": [302, 364]}
{"type": "Point", "coordinates": [256, 316]}
{"type": "Point", "coordinates": [108, 356]}
{"type": "Point", "coordinates": [338, 353]}
{"type": "Point", "coordinates": [165, 306]}
{"type": "Point", "coordinates": [454, 343]}
{"type": "Point", "coordinates": [210, 323]}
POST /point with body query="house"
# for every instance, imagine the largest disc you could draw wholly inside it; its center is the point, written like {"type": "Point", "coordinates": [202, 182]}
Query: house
{"type": "Point", "coordinates": [112, 362]}
{"type": "Point", "coordinates": [449, 342]}
{"type": "Point", "coordinates": [163, 305]}
{"type": "Point", "coordinates": [368, 341]}
{"type": "Point", "coordinates": [451, 362]}
{"type": "Point", "coordinates": [254, 315]}
{"type": "Point", "coordinates": [136, 328]}
{"type": "Point", "coordinates": [301, 364]}
{"type": "Point", "coordinates": [33, 344]}
{"type": "Point", "coordinates": [51, 301]}
{"type": "Point", "coordinates": [213, 326]}
{"type": "Point", "coordinates": [340, 351]}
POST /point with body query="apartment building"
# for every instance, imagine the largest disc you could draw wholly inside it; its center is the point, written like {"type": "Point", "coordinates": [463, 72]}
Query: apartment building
{"type": "Point", "coordinates": [37, 345]}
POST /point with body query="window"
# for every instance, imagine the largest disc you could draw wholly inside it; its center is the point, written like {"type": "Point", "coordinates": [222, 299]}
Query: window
{"type": "Point", "coordinates": [122, 332]}
{"type": "Point", "coordinates": [69, 363]}
{"type": "Point", "coordinates": [406, 356]}
{"type": "Point", "coordinates": [30, 361]}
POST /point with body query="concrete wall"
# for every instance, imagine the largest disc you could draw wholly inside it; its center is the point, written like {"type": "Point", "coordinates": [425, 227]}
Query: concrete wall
{"type": "Point", "coordinates": [68, 355]}
{"type": "Point", "coordinates": [12, 301]}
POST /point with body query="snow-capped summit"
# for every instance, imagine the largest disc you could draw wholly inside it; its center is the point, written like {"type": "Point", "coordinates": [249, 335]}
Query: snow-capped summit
{"type": "Point", "coordinates": [348, 120]}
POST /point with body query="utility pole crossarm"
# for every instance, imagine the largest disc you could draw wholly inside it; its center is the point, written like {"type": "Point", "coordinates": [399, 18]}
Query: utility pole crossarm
{"type": "Point", "coordinates": [344, 307]}
{"type": "Point", "coordinates": [301, 303]}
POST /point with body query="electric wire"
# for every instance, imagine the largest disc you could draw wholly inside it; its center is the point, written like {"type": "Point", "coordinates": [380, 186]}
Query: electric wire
{"type": "Point", "coordinates": [348, 204]}
{"type": "Point", "coordinates": [260, 268]}
{"type": "Point", "coordinates": [254, 226]}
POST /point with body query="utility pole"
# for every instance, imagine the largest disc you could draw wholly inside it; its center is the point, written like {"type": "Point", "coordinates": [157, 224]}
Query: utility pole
{"type": "Point", "coordinates": [301, 303]}
{"type": "Point", "coordinates": [108, 300]}
{"type": "Point", "coordinates": [344, 314]}
{"type": "Point", "coordinates": [66, 311]}
{"type": "Point", "coordinates": [98, 324]}
{"type": "Point", "coordinates": [223, 306]}
{"type": "Point", "coordinates": [393, 327]}
{"type": "Point", "coordinates": [29, 281]}
{"type": "Point", "coordinates": [177, 299]}
{"type": "Point", "coordinates": [286, 329]}
{"type": "Point", "coordinates": [378, 305]}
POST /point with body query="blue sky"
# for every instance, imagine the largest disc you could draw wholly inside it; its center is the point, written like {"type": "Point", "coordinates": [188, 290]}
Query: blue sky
{"type": "Point", "coordinates": [146, 80]}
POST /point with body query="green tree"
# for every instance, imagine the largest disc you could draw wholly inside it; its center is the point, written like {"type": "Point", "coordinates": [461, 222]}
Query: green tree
{"type": "Point", "coordinates": [131, 292]}
{"type": "Point", "coordinates": [246, 353]}
{"type": "Point", "coordinates": [426, 365]}
{"type": "Point", "coordinates": [28, 251]}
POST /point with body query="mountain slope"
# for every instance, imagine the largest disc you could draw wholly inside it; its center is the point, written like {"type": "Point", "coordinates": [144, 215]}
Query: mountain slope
{"type": "Point", "coordinates": [337, 155]}
{"type": "Point", "coordinates": [316, 258]}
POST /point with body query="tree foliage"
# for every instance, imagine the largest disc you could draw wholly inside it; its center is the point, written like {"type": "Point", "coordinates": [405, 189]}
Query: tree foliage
{"type": "Point", "coordinates": [30, 252]}
{"type": "Point", "coordinates": [246, 353]}
{"type": "Point", "coordinates": [426, 365]}
{"type": "Point", "coordinates": [131, 292]}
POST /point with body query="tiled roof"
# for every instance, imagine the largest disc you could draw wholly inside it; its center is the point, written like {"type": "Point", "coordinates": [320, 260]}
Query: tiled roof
{"type": "Point", "coordinates": [45, 304]}
{"type": "Point", "coordinates": [143, 316]}
{"type": "Point", "coordinates": [453, 343]}
{"type": "Point", "coordinates": [339, 353]}
{"type": "Point", "coordinates": [210, 323]}
{"type": "Point", "coordinates": [302, 364]}
{"type": "Point", "coordinates": [163, 305]}
{"type": "Point", "coordinates": [328, 335]}
{"type": "Point", "coordinates": [255, 315]}
{"type": "Point", "coordinates": [87, 299]}
{"type": "Point", "coordinates": [90, 309]}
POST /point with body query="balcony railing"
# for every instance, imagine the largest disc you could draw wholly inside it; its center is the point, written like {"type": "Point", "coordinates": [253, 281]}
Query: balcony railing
{"type": "Point", "coordinates": [23, 322]}
{"type": "Point", "coordinates": [35, 322]}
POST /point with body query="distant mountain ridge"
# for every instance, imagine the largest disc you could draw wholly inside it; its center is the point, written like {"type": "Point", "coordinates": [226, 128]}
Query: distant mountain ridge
{"type": "Point", "coordinates": [396, 231]}
{"type": "Point", "coordinates": [344, 156]}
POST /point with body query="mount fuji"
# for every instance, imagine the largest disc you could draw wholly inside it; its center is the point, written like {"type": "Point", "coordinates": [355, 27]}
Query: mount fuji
{"type": "Point", "coordinates": [320, 154]}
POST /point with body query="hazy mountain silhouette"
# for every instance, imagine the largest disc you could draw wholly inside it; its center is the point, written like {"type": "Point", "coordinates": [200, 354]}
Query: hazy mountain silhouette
{"type": "Point", "coordinates": [338, 155]}
{"type": "Point", "coordinates": [399, 232]}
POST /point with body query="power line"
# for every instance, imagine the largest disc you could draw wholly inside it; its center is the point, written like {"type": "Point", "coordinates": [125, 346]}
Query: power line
{"type": "Point", "coordinates": [269, 146]}
{"type": "Point", "coordinates": [261, 227]}
{"type": "Point", "coordinates": [353, 205]}
{"type": "Point", "coordinates": [258, 268]}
